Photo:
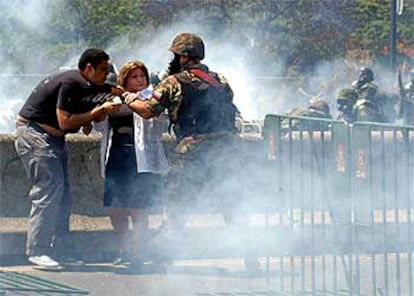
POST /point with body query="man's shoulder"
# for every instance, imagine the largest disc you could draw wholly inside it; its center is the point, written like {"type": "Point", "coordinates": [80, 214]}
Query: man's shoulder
{"type": "Point", "coordinates": [170, 80]}
{"type": "Point", "coordinates": [192, 74]}
{"type": "Point", "coordinates": [184, 77]}
{"type": "Point", "coordinates": [71, 77]}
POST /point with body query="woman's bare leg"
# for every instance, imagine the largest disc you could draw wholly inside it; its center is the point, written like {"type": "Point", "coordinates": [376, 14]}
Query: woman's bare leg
{"type": "Point", "coordinates": [140, 232]}
{"type": "Point", "coordinates": [119, 221]}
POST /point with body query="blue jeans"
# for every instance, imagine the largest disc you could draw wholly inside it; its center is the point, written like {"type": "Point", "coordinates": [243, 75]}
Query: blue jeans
{"type": "Point", "coordinates": [44, 159]}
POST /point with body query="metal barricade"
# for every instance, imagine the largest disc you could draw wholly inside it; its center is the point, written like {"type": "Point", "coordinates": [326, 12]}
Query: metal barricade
{"type": "Point", "coordinates": [16, 283]}
{"type": "Point", "coordinates": [347, 206]}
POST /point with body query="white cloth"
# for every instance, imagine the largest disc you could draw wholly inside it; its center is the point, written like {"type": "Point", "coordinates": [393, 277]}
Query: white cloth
{"type": "Point", "coordinates": [149, 148]}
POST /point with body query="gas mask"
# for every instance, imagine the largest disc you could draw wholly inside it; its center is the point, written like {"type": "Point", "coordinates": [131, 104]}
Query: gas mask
{"type": "Point", "coordinates": [174, 66]}
{"type": "Point", "coordinates": [343, 105]}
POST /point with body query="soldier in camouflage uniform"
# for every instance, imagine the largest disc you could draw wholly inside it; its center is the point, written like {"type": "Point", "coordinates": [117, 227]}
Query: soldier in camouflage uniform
{"type": "Point", "coordinates": [369, 105]}
{"type": "Point", "coordinates": [318, 108]}
{"type": "Point", "coordinates": [345, 104]}
{"type": "Point", "coordinates": [406, 107]}
{"type": "Point", "coordinates": [202, 114]}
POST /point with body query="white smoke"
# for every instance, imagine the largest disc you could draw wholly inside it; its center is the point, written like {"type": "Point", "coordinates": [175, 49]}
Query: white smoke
{"type": "Point", "coordinates": [31, 14]}
{"type": "Point", "coordinates": [22, 20]}
{"type": "Point", "coordinates": [229, 57]}
{"type": "Point", "coordinates": [256, 93]}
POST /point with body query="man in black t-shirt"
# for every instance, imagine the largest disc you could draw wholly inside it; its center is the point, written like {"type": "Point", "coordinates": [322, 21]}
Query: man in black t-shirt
{"type": "Point", "coordinates": [60, 104]}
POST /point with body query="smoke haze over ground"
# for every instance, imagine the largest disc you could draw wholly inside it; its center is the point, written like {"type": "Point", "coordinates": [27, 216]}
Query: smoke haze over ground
{"type": "Point", "coordinates": [260, 87]}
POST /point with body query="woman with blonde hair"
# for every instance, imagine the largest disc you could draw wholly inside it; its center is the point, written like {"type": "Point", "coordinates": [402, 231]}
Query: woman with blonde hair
{"type": "Point", "coordinates": [132, 162]}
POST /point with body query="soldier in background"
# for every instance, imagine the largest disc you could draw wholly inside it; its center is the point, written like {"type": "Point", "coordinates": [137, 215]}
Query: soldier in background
{"type": "Point", "coordinates": [364, 86]}
{"type": "Point", "coordinates": [406, 104]}
{"type": "Point", "coordinates": [318, 108]}
{"type": "Point", "coordinates": [352, 109]}
{"type": "Point", "coordinates": [345, 104]}
{"type": "Point", "coordinates": [369, 104]}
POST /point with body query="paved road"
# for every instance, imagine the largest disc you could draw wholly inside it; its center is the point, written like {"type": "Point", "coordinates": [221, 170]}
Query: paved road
{"type": "Point", "coordinates": [181, 278]}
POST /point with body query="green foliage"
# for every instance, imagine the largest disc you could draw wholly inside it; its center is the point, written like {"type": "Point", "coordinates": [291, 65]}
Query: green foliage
{"type": "Point", "coordinates": [374, 19]}
{"type": "Point", "coordinates": [298, 33]}
{"type": "Point", "coordinates": [95, 22]}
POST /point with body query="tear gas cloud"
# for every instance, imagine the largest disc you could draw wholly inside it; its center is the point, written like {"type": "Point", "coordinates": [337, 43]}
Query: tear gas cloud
{"type": "Point", "coordinates": [17, 80]}
{"type": "Point", "coordinates": [257, 83]}
{"type": "Point", "coordinates": [257, 93]}
{"type": "Point", "coordinates": [228, 58]}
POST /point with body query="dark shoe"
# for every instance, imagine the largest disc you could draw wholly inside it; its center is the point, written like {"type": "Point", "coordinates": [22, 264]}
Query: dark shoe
{"type": "Point", "coordinates": [70, 261]}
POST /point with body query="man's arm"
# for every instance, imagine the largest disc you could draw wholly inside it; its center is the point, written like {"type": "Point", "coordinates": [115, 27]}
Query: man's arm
{"type": "Point", "coordinates": [68, 121]}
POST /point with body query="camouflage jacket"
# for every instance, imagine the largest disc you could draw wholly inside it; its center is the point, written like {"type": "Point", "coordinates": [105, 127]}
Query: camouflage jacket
{"type": "Point", "coordinates": [406, 105]}
{"type": "Point", "coordinates": [175, 93]}
{"type": "Point", "coordinates": [170, 92]}
{"type": "Point", "coordinates": [368, 111]}
{"type": "Point", "coordinates": [368, 91]}
{"type": "Point", "coordinates": [410, 90]}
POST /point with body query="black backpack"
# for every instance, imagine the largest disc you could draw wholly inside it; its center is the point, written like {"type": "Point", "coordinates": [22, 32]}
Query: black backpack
{"type": "Point", "coordinates": [216, 109]}
{"type": "Point", "coordinates": [206, 109]}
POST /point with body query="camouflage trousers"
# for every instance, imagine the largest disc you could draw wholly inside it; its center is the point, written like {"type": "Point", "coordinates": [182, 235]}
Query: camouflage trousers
{"type": "Point", "coordinates": [203, 175]}
{"type": "Point", "coordinates": [206, 177]}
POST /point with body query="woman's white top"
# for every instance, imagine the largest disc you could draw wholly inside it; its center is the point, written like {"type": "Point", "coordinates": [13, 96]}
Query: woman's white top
{"type": "Point", "coordinates": [149, 148]}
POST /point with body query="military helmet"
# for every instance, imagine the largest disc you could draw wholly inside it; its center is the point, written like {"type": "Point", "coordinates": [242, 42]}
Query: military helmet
{"type": "Point", "coordinates": [187, 44]}
{"type": "Point", "coordinates": [365, 75]}
{"type": "Point", "coordinates": [112, 76]}
{"type": "Point", "coordinates": [320, 105]}
{"type": "Point", "coordinates": [111, 79]}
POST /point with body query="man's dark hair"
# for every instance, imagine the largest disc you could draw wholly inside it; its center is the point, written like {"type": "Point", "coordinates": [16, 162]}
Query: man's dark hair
{"type": "Point", "coordinates": [93, 56]}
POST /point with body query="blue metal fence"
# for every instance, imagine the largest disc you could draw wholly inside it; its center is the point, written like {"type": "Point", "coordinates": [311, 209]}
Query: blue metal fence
{"type": "Point", "coordinates": [347, 197]}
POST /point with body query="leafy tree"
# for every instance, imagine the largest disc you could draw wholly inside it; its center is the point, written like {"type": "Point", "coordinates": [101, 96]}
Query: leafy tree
{"type": "Point", "coordinates": [95, 22]}
{"type": "Point", "coordinates": [299, 33]}
{"type": "Point", "coordinates": [373, 17]}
